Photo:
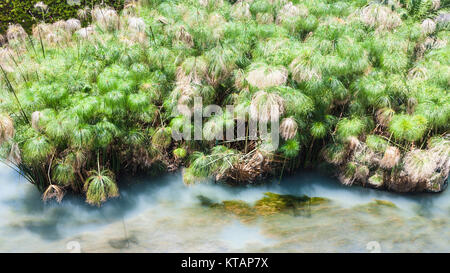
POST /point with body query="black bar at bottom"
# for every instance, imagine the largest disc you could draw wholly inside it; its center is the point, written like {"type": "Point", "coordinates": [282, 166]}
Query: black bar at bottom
{"type": "Point", "coordinates": [223, 262]}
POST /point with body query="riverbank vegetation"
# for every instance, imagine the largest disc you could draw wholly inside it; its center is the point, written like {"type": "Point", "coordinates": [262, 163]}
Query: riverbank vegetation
{"type": "Point", "coordinates": [30, 12]}
{"type": "Point", "coordinates": [362, 85]}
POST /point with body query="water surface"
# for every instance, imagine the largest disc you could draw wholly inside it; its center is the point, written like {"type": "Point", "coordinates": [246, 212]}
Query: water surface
{"type": "Point", "coordinates": [163, 215]}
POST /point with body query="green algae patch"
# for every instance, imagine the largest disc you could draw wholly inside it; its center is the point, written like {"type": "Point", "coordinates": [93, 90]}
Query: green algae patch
{"type": "Point", "coordinates": [273, 203]}
{"type": "Point", "coordinates": [376, 206]}
{"type": "Point", "coordinates": [318, 200]}
{"type": "Point", "coordinates": [238, 207]}
{"type": "Point", "coordinates": [385, 203]}
{"type": "Point", "coordinates": [270, 204]}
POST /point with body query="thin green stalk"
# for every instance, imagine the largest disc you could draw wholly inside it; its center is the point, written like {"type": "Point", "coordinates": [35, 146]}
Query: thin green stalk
{"type": "Point", "coordinates": [81, 64]}
{"type": "Point", "coordinates": [42, 44]}
{"type": "Point", "coordinates": [11, 89]}
{"type": "Point", "coordinates": [32, 44]}
{"type": "Point", "coordinates": [282, 169]}
{"type": "Point", "coordinates": [153, 35]}
{"type": "Point", "coordinates": [17, 65]}
{"type": "Point", "coordinates": [246, 138]}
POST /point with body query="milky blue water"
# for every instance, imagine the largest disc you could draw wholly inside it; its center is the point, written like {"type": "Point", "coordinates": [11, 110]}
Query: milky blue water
{"type": "Point", "coordinates": [163, 215]}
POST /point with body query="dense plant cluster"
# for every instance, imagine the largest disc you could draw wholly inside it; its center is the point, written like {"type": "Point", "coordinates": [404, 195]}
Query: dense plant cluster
{"type": "Point", "coordinates": [28, 12]}
{"type": "Point", "coordinates": [361, 84]}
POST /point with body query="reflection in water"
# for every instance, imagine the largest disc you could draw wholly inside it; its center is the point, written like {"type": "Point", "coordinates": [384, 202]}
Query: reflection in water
{"type": "Point", "coordinates": [163, 215]}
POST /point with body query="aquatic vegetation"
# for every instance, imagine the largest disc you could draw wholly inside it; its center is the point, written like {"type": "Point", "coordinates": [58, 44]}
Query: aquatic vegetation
{"type": "Point", "coordinates": [180, 152]}
{"type": "Point", "coordinates": [100, 186]}
{"type": "Point", "coordinates": [419, 165]}
{"type": "Point", "coordinates": [270, 204]}
{"type": "Point", "coordinates": [390, 158]}
{"type": "Point", "coordinates": [264, 76]}
{"type": "Point", "coordinates": [385, 203]}
{"type": "Point", "coordinates": [376, 206]}
{"type": "Point", "coordinates": [288, 128]}
{"type": "Point", "coordinates": [236, 207]}
{"type": "Point", "coordinates": [362, 85]}
{"type": "Point", "coordinates": [6, 128]}
{"type": "Point", "coordinates": [376, 180]}
{"type": "Point", "coordinates": [409, 128]}
{"type": "Point", "coordinates": [266, 106]}
{"type": "Point", "coordinates": [380, 17]}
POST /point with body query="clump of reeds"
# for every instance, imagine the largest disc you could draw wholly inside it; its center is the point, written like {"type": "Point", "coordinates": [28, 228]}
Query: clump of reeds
{"type": "Point", "coordinates": [241, 10]}
{"type": "Point", "coordinates": [419, 165]}
{"type": "Point", "coordinates": [182, 35]}
{"type": "Point", "coordinates": [390, 158]}
{"type": "Point", "coordinates": [86, 32]}
{"type": "Point", "coordinates": [6, 128]}
{"type": "Point", "coordinates": [100, 186]}
{"type": "Point", "coordinates": [264, 76]}
{"type": "Point", "coordinates": [384, 116]}
{"type": "Point", "coordinates": [288, 128]}
{"type": "Point", "coordinates": [380, 17]}
{"type": "Point", "coordinates": [72, 25]}
{"type": "Point", "coordinates": [16, 33]}
{"type": "Point", "coordinates": [428, 26]}
{"type": "Point", "coordinates": [35, 118]}
{"type": "Point", "coordinates": [439, 149]}
{"type": "Point", "coordinates": [303, 71]}
{"type": "Point", "coordinates": [266, 106]}
{"type": "Point", "coordinates": [6, 59]}
{"type": "Point", "coordinates": [106, 17]}
{"type": "Point", "coordinates": [289, 11]}
{"type": "Point", "coordinates": [84, 13]}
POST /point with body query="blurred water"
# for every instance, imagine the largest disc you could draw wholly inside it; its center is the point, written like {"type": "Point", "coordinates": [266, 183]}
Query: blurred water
{"type": "Point", "coordinates": [163, 215]}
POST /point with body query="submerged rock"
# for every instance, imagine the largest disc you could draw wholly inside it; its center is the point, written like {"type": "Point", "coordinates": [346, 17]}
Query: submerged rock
{"type": "Point", "coordinates": [270, 204]}
{"type": "Point", "coordinates": [273, 203]}
{"type": "Point", "coordinates": [385, 203]}
{"type": "Point", "coordinates": [376, 206]}
{"type": "Point", "coordinates": [237, 207]}
{"type": "Point", "coordinates": [318, 200]}
{"type": "Point", "coordinates": [204, 201]}
{"type": "Point", "coordinates": [123, 243]}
